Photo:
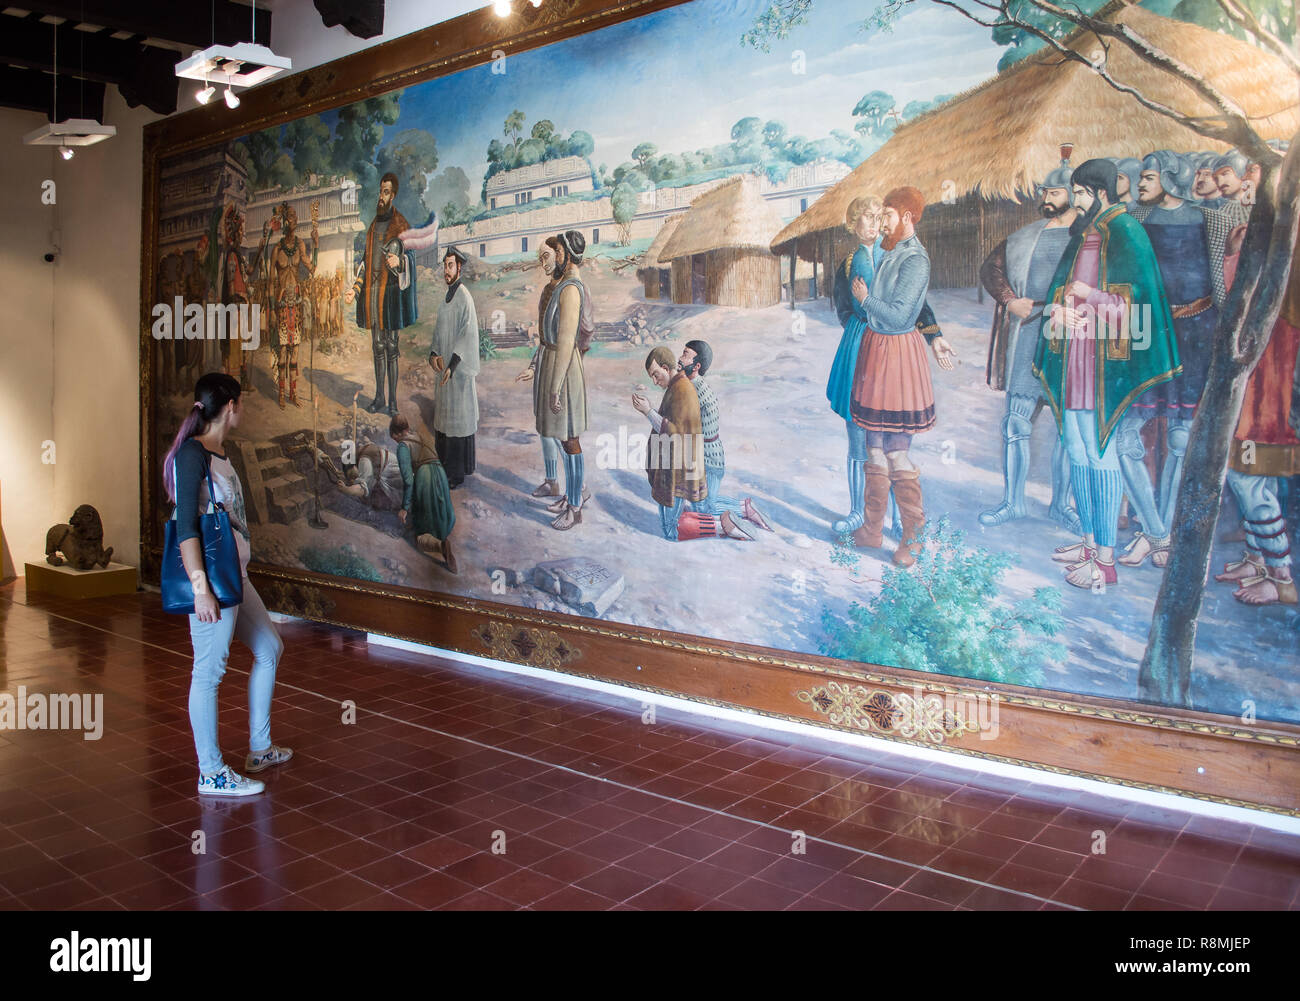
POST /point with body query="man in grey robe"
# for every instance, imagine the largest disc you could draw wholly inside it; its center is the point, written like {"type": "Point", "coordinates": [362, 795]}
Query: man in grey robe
{"type": "Point", "coordinates": [1017, 274]}
{"type": "Point", "coordinates": [454, 355]}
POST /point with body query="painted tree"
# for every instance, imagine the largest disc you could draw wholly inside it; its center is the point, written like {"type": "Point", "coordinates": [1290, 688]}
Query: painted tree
{"type": "Point", "coordinates": [1248, 316]}
{"type": "Point", "coordinates": [873, 111]}
{"type": "Point", "coordinates": [643, 154]}
{"type": "Point", "coordinates": [267, 164]}
{"type": "Point", "coordinates": [358, 131]}
{"type": "Point", "coordinates": [624, 203]}
{"type": "Point", "coordinates": [307, 143]}
{"type": "Point", "coordinates": [450, 188]}
{"type": "Point", "coordinates": [514, 127]}
{"type": "Point", "coordinates": [412, 155]}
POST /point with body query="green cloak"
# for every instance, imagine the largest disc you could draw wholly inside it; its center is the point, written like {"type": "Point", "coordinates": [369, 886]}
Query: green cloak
{"type": "Point", "coordinates": [1125, 367]}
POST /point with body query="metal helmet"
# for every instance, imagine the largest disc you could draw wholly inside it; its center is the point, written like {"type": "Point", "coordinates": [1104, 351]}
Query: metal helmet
{"type": "Point", "coordinates": [1130, 168]}
{"type": "Point", "coordinates": [1058, 177]}
{"type": "Point", "coordinates": [1238, 163]}
{"type": "Point", "coordinates": [1176, 173]}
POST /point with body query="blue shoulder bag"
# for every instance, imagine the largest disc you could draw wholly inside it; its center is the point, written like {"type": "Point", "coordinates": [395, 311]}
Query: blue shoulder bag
{"type": "Point", "coordinates": [220, 559]}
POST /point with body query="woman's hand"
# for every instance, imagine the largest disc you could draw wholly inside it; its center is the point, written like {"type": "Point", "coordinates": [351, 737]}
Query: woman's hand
{"type": "Point", "coordinates": [206, 607]}
{"type": "Point", "coordinates": [525, 376]}
{"type": "Point", "coordinates": [859, 289]}
{"type": "Point", "coordinates": [401, 516]}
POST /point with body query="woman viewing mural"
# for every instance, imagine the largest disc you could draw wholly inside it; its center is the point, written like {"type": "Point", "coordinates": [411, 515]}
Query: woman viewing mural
{"type": "Point", "coordinates": [196, 459]}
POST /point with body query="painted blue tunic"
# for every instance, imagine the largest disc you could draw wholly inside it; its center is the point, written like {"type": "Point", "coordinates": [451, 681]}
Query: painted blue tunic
{"type": "Point", "coordinates": [863, 264]}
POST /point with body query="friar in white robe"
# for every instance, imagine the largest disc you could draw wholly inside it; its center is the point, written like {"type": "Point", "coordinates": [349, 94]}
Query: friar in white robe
{"type": "Point", "coordinates": [455, 357]}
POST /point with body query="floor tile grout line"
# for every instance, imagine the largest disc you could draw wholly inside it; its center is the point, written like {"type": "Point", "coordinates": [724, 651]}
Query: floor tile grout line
{"type": "Point", "coordinates": [613, 782]}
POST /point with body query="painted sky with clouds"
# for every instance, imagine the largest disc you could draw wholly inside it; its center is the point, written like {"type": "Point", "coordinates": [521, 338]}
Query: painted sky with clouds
{"type": "Point", "coordinates": [681, 77]}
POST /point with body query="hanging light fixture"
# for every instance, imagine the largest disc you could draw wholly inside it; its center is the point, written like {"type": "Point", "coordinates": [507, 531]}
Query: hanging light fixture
{"type": "Point", "coordinates": [244, 64]}
{"type": "Point", "coordinates": [72, 131]}
{"type": "Point", "coordinates": [232, 101]}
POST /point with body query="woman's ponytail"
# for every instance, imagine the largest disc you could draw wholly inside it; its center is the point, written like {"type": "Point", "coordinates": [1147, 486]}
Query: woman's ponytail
{"type": "Point", "coordinates": [211, 394]}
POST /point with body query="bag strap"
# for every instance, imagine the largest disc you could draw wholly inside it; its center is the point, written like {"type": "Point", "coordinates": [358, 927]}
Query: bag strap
{"type": "Point", "coordinates": [212, 497]}
{"type": "Point", "coordinates": [213, 504]}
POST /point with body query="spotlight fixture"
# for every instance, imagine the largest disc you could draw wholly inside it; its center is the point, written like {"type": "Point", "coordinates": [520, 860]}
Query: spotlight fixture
{"type": "Point", "coordinates": [65, 152]}
{"type": "Point", "coordinates": [231, 100]}
{"type": "Point", "coordinates": [501, 8]}
{"type": "Point", "coordinates": [205, 95]}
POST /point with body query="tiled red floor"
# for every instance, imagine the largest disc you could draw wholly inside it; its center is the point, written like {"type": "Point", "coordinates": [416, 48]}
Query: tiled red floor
{"type": "Point", "coordinates": [466, 790]}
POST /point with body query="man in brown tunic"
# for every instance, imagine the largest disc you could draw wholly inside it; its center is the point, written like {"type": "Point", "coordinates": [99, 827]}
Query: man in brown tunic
{"type": "Point", "coordinates": [675, 456]}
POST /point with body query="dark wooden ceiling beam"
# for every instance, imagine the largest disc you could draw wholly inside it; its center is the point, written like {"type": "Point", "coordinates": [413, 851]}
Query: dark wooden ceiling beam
{"type": "Point", "coordinates": [144, 74]}
{"type": "Point", "coordinates": [362, 18]}
{"type": "Point", "coordinates": [190, 22]}
{"type": "Point", "coordinates": [32, 90]}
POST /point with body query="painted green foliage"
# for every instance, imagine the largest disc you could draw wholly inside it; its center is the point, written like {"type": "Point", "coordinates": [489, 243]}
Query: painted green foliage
{"type": "Point", "coordinates": [946, 615]}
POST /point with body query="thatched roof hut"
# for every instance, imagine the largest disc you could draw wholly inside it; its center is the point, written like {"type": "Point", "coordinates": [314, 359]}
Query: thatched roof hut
{"type": "Point", "coordinates": [981, 152]}
{"type": "Point", "coordinates": [652, 273]}
{"type": "Point", "coordinates": [720, 250]}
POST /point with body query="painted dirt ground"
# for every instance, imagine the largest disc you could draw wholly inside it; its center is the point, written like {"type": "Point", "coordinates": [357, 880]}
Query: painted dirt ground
{"type": "Point", "coordinates": [785, 449]}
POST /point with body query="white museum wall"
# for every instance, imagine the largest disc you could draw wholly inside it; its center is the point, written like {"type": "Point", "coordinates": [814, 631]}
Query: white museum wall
{"type": "Point", "coordinates": [71, 346]}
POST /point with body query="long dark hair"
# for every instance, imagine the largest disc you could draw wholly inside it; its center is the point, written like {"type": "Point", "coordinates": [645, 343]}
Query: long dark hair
{"type": "Point", "coordinates": [211, 394]}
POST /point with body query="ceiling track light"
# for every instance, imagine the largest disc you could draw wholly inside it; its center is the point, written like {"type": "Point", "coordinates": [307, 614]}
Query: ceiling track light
{"type": "Point", "coordinates": [501, 8]}
{"type": "Point", "coordinates": [65, 152]}
{"type": "Point", "coordinates": [232, 101]}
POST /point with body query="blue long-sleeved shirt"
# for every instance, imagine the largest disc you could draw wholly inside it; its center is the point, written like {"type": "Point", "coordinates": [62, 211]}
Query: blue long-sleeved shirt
{"type": "Point", "coordinates": [898, 292]}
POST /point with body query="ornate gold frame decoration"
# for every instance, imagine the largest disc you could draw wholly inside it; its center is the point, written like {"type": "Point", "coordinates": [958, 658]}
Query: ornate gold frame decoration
{"type": "Point", "coordinates": [300, 600]}
{"type": "Point", "coordinates": [914, 717]}
{"type": "Point", "coordinates": [520, 645]}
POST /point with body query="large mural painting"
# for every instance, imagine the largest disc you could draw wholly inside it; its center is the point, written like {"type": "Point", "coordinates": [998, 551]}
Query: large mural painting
{"type": "Point", "coordinates": [881, 341]}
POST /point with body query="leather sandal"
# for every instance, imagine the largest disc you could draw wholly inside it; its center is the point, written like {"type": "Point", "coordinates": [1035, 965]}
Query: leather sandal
{"type": "Point", "coordinates": [1142, 546]}
{"type": "Point", "coordinates": [568, 518]}
{"type": "Point", "coordinates": [1073, 553]}
{"type": "Point", "coordinates": [751, 513]}
{"type": "Point", "coordinates": [1238, 571]}
{"type": "Point", "coordinates": [1255, 591]}
{"type": "Point", "coordinates": [733, 530]}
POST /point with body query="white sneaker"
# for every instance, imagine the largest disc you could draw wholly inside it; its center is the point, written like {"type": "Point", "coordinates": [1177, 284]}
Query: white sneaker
{"type": "Point", "coordinates": [228, 783]}
{"type": "Point", "coordinates": [263, 760]}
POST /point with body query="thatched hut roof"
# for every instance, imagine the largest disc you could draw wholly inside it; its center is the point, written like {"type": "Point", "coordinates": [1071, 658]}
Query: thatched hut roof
{"type": "Point", "coordinates": [1000, 138]}
{"type": "Point", "coordinates": [732, 215]}
{"type": "Point", "coordinates": [650, 259]}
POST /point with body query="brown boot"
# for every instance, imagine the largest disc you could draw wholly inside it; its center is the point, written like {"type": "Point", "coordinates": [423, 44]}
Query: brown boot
{"type": "Point", "coordinates": [907, 492]}
{"type": "Point", "coordinates": [875, 504]}
{"type": "Point", "coordinates": [448, 556]}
